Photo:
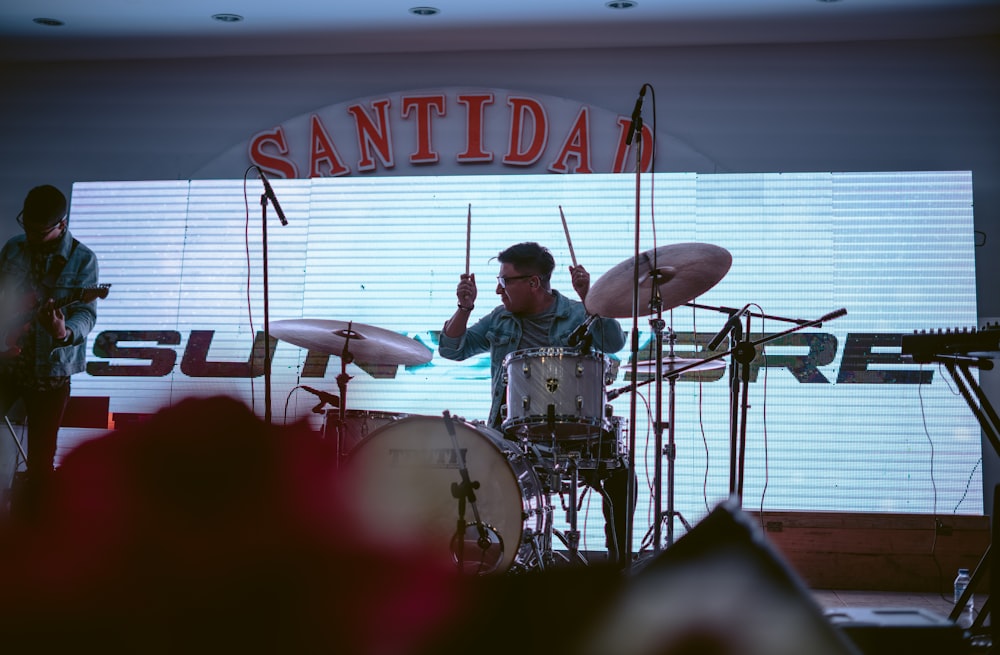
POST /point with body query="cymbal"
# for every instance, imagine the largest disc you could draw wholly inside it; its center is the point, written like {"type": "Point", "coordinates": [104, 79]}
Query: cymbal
{"type": "Point", "coordinates": [683, 271]}
{"type": "Point", "coordinates": [670, 364]}
{"type": "Point", "coordinates": [367, 343]}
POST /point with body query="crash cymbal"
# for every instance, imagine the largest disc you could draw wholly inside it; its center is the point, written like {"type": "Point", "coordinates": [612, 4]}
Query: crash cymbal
{"type": "Point", "coordinates": [368, 344]}
{"type": "Point", "coordinates": [670, 364]}
{"type": "Point", "coordinates": [681, 271]}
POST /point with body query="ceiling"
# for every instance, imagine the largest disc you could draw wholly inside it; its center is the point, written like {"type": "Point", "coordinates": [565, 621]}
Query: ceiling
{"type": "Point", "coordinates": [68, 29]}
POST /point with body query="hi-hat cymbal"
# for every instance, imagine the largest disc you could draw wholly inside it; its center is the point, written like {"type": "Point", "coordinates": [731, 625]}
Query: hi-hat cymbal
{"type": "Point", "coordinates": [670, 364]}
{"type": "Point", "coordinates": [368, 344]}
{"type": "Point", "coordinates": [681, 272]}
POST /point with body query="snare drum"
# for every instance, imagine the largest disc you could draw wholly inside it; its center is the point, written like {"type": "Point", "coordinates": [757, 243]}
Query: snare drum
{"type": "Point", "coordinates": [603, 450]}
{"type": "Point", "coordinates": [556, 391]}
{"type": "Point", "coordinates": [406, 471]}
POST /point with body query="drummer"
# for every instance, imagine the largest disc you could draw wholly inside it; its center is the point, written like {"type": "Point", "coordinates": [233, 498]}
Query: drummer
{"type": "Point", "coordinates": [533, 315]}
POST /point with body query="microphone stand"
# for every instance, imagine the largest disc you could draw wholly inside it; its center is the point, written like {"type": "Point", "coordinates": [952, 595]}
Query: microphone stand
{"type": "Point", "coordinates": [465, 491]}
{"type": "Point", "coordinates": [632, 482]}
{"type": "Point", "coordinates": [267, 312]}
{"type": "Point", "coordinates": [743, 353]}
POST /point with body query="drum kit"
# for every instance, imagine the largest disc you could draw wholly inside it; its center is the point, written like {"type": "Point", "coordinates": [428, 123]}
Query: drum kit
{"type": "Point", "coordinates": [419, 476]}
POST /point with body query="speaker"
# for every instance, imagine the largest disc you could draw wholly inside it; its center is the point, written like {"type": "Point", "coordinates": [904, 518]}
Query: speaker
{"type": "Point", "coordinates": [720, 588]}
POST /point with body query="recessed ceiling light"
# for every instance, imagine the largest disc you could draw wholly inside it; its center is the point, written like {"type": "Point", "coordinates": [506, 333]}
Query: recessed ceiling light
{"type": "Point", "coordinates": [424, 11]}
{"type": "Point", "coordinates": [620, 4]}
{"type": "Point", "coordinates": [227, 18]}
{"type": "Point", "coordinates": [48, 22]}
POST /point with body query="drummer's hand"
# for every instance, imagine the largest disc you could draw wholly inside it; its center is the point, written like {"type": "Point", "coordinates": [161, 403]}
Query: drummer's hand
{"type": "Point", "coordinates": [466, 291]}
{"type": "Point", "coordinates": [581, 280]}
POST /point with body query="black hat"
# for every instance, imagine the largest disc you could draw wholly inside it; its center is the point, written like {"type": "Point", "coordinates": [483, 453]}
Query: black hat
{"type": "Point", "coordinates": [44, 206]}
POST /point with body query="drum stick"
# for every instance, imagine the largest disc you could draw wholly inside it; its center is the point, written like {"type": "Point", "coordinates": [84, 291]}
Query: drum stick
{"type": "Point", "coordinates": [468, 238]}
{"type": "Point", "coordinates": [569, 241]}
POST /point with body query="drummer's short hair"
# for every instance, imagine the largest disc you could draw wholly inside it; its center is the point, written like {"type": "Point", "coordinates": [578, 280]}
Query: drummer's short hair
{"type": "Point", "coordinates": [530, 257]}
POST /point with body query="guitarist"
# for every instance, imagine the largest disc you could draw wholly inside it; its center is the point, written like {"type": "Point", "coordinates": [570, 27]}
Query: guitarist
{"type": "Point", "coordinates": [35, 269]}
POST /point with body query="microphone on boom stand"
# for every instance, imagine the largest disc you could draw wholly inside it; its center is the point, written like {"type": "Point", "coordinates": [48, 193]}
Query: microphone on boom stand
{"type": "Point", "coordinates": [580, 337]}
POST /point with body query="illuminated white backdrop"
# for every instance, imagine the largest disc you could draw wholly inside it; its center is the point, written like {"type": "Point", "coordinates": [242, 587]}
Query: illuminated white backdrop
{"type": "Point", "coordinates": [894, 249]}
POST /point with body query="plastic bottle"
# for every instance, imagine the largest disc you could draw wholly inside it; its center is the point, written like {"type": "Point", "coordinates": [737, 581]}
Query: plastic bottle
{"type": "Point", "coordinates": [967, 616]}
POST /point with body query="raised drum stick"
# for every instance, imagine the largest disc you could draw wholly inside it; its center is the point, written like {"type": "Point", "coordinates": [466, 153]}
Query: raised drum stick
{"type": "Point", "coordinates": [569, 241]}
{"type": "Point", "coordinates": [468, 238]}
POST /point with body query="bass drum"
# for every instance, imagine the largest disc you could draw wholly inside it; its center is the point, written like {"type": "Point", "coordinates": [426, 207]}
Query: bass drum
{"type": "Point", "coordinates": [405, 472]}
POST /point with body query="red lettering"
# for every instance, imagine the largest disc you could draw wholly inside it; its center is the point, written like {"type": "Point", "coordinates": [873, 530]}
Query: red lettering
{"type": "Point", "coordinates": [276, 165]}
{"type": "Point", "coordinates": [323, 152]}
{"type": "Point", "coordinates": [624, 150]}
{"type": "Point", "coordinates": [474, 133]}
{"type": "Point", "coordinates": [421, 106]}
{"type": "Point", "coordinates": [372, 139]}
{"type": "Point", "coordinates": [577, 144]}
{"type": "Point", "coordinates": [521, 110]}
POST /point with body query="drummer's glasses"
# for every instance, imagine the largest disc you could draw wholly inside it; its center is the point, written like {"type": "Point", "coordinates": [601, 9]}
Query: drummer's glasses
{"type": "Point", "coordinates": [502, 281]}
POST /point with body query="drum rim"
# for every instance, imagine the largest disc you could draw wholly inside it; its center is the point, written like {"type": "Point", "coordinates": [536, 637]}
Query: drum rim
{"type": "Point", "coordinates": [553, 351]}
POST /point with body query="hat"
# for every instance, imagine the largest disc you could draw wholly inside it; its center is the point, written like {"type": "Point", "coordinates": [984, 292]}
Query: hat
{"type": "Point", "coordinates": [44, 206]}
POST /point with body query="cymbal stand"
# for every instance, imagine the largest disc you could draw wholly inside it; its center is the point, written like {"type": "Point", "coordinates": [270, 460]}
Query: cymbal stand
{"type": "Point", "coordinates": [657, 324]}
{"type": "Point", "coordinates": [670, 451]}
{"type": "Point", "coordinates": [346, 357]}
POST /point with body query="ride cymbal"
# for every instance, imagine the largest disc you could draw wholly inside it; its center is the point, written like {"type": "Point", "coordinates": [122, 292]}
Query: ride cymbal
{"type": "Point", "coordinates": [366, 343]}
{"type": "Point", "coordinates": [681, 272]}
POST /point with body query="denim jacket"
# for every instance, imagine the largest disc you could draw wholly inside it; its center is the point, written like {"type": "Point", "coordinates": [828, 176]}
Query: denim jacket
{"type": "Point", "coordinates": [53, 360]}
{"type": "Point", "coordinates": [499, 333]}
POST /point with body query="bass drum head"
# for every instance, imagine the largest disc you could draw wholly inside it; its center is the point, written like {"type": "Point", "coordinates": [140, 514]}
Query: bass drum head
{"type": "Point", "coordinates": [405, 472]}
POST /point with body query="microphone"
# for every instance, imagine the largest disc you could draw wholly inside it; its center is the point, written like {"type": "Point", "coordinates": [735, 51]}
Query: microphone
{"type": "Point", "coordinates": [614, 393]}
{"type": "Point", "coordinates": [322, 395]}
{"type": "Point", "coordinates": [733, 322]}
{"type": "Point", "coordinates": [269, 193]}
{"type": "Point", "coordinates": [837, 313]}
{"type": "Point", "coordinates": [635, 116]}
{"type": "Point", "coordinates": [577, 336]}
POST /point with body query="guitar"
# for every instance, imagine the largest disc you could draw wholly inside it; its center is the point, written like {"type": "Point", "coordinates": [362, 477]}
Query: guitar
{"type": "Point", "coordinates": [13, 327]}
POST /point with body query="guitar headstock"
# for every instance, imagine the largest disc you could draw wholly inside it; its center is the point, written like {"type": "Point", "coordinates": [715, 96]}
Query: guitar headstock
{"type": "Point", "coordinates": [89, 294]}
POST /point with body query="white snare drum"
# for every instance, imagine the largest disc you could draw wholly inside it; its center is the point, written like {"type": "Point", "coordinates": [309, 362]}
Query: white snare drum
{"type": "Point", "coordinates": [555, 390]}
{"type": "Point", "coordinates": [603, 450]}
{"type": "Point", "coordinates": [406, 471]}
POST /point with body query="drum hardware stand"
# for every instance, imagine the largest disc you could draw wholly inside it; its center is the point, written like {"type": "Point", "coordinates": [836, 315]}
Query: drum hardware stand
{"type": "Point", "coordinates": [268, 194]}
{"type": "Point", "coordinates": [346, 357]}
{"type": "Point", "coordinates": [17, 442]}
{"type": "Point", "coordinates": [571, 538]}
{"type": "Point", "coordinates": [634, 130]}
{"type": "Point", "coordinates": [743, 353]}
{"type": "Point", "coordinates": [464, 491]}
{"type": "Point", "coordinates": [989, 421]}
{"type": "Point", "coordinates": [657, 325]}
{"type": "Point", "coordinates": [20, 450]}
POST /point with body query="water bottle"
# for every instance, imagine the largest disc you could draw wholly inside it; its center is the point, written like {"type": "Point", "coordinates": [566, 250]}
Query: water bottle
{"type": "Point", "coordinates": [961, 582]}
